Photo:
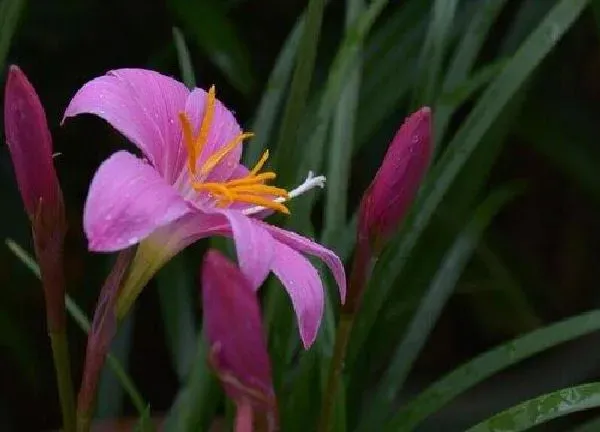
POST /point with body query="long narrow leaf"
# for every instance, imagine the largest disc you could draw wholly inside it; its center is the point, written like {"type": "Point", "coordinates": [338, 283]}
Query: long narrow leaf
{"type": "Point", "coordinates": [543, 408]}
{"type": "Point", "coordinates": [436, 44]}
{"type": "Point", "coordinates": [84, 324]}
{"type": "Point", "coordinates": [467, 140]}
{"type": "Point", "coordinates": [342, 137]}
{"type": "Point", "coordinates": [485, 365]}
{"type": "Point", "coordinates": [431, 307]}
{"type": "Point", "coordinates": [267, 112]}
{"type": "Point", "coordinates": [286, 149]}
{"type": "Point", "coordinates": [10, 11]}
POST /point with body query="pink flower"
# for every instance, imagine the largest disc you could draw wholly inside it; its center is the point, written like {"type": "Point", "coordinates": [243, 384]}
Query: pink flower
{"type": "Point", "coordinates": [389, 196]}
{"type": "Point", "coordinates": [189, 185]}
{"type": "Point", "coordinates": [30, 146]}
{"type": "Point", "coordinates": [238, 350]}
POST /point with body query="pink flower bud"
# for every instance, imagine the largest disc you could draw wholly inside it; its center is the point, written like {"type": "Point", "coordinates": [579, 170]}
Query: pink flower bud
{"type": "Point", "coordinates": [238, 350]}
{"type": "Point", "coordinates": [30, 146]}
{"type": "Point", "coordinates": [390, 194]}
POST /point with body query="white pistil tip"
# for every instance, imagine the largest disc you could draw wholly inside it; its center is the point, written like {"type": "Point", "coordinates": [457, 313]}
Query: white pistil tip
{"type": "Point", "coordinates": [311, 182]}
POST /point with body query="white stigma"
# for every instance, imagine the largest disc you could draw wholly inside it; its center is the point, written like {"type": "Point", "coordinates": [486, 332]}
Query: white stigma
{"type": "Point", "coordinates": [311, 182]}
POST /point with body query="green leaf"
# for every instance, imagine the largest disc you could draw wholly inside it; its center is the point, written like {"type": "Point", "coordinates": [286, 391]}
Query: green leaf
{"type": "Point", "coordinates": [542, 409]}
{"type": "Point", "coordinates": [177, 306]}
{"type": "Point", "coordinates": [431, 306]}
{"type": "Point", "coordinates": [467, 140]}
{"type": "Point", "coordinates": [434, 50]}
{"type": "Point", "coordinates": [286, 150]}
{"type": "Point", "coordinates": [84, 324]}
{"type": "Point", "coordinates": [196, 404]}
{"type": "Point", "coordinates": [185, 61]}
{"type": "Point", "coordinates": [464, 59]}
{"type": "Point", "coordinates": [268, 109]}
{"type": "Point", "coordinates": [390, 65]}
{"type": "Point", "coordinates": [489, 363]}
{"type": "Point", "coordinates": [10, 12]}
{"type": "Point", "coordinates": [214, 33]}
{"type": "Point", "coordinates": [342, 137]}
{"type": "Point", "coordinates": [110, 391]}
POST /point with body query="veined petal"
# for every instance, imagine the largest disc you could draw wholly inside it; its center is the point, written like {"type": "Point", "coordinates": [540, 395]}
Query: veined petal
{"type": "Point", "coordinates": [303, 284]}
{"type": "Point", "coordinates": [143, 105]}
{"type": "Point", "coordinates": [233, 327]}
{"type": "Point", "coordinates": [253, 244]}
{"type": "Point", "coordinates": [128, 199]}
{"type": "Point", "coordinates": [309, 247]}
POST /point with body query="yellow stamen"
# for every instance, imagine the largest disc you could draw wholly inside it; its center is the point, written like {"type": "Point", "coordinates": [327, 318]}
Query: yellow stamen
{"type": "Point", "coordinates": [217, 189]}
{"type": "Point", "coordinates": [261, 189]}
{"type": "Point", "coordinates": [252, 180]}
{"type": "Point", "coordinates": [215, 158]}
{"type": "Point", "coordinates": [260, 163]}
{"type": "Point", "coordinates": [188, 140]}
{"type": "Point", "coordinates": [207, 118]}
{"type": "Point", "coordinates": [250, 189]}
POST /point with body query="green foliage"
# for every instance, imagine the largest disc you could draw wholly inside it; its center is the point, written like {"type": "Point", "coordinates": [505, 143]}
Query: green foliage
{"type": "Point", "coordinates": [478, 262]}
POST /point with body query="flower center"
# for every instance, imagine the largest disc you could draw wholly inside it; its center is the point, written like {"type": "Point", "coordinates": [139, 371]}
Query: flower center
{"type": "Point", "coordinates": [251, 189]}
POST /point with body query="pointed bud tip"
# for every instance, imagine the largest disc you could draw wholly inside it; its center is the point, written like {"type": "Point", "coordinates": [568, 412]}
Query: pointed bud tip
{"type": "Point", "coordinates": [390, 194]}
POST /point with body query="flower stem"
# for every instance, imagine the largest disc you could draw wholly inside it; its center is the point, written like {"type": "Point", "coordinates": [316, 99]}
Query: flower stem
{"type": "Point", "coordinates": [62, 366]}
{"type": "Point", "coordinates": [335, 369]}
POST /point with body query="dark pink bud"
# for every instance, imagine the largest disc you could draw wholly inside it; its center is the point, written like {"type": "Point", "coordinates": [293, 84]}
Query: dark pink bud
{"type": "Point", "coordinates": [233, 327]}
{"type": "Point", "coordinates": [30, 146]}
{"type": "Point", "coordinates": [390, 194]}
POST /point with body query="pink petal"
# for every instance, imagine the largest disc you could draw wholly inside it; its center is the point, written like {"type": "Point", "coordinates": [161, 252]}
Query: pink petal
{"type": "Point", "coordinates": [254, 246]}
{"type": "Point", "coordinates": [30, 145]}
{"type": "Point", "coordinates": [309, 247]}
{"type": "Point", "coordinates": [233, 327]}
{"type": "Point", "coordinates": [162, 245]}
{"type": "Point", "coordinates": [303, 284]}
{"type": "Point", "coordinates": [128, 199]}
{"type": "Point", "coordinates": [223, 129]}
{"type": "Point", "coordinates": [143, 105]}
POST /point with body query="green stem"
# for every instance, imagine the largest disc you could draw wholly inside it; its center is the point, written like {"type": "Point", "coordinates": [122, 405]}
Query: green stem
{"type": "Point", "coordinates": [62, 366]}
{"type": "Point", "coordinates": [335, 370]}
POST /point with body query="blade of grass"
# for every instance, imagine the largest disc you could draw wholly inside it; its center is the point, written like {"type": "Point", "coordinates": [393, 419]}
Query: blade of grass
{"type": "Point", "coordinates": [390, 65]}
{"type": "Point", "coordinates": [10, 11]}
{"type": "Point", "coordinates": [286, 149]}
{"type": "Point", "coordinates": [342, 137]}
{"type": "Point", "coordinates": [543, 408]}
{"type": "Point", "coordinates": [489, 363]}
{"type": "Point", "coordinates": [214, 33]}
{"type": "Point", "coordinates": [197, 402]}
{"type": "Point", "coordinates": [277, 315]}
{"type": "Point", "coordinates": [177, 307]}
{"type": "Point", "coordinates": [110, 391]}
{"type": "Point", "coordinates": [464, 59]}
{"type": "Point", "coordinates": [84, 323]}
{"type": "Point", "coordinates": [342, 64]}
{"type": "Point", "coordinates": [518, 69]}
{"type": "Point", "coordinates": [434, 50]}
{"type": "Point", "coordinates": [268, 109]}
{"type": "Point", "coordinates": [431, 306]}
{"type": "Point", "coordinates": [185, 61]}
